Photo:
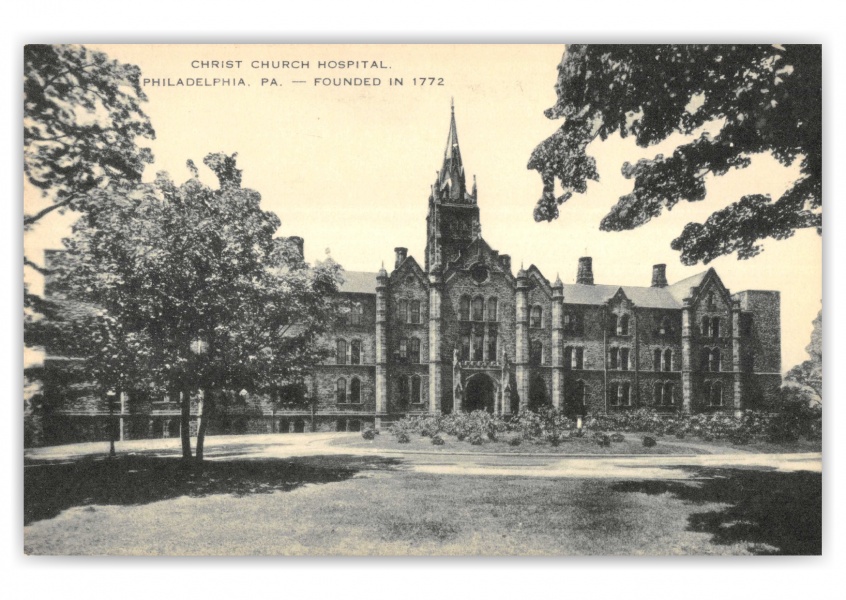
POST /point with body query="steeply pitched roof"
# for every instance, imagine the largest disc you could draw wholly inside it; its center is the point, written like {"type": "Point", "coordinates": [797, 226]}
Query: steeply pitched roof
{"type": "Point", "coordinates": [681, 289]}
{"type": "Point", "coordinates": [359, 282]}
{"type": "Point", "coordinates": [645, 297]}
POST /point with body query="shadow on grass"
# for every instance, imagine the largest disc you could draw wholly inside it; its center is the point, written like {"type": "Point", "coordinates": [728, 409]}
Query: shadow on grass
{"type": "Point", "coordinates": [50, 488]}
{"type": "Point", "coordinates": [773, 512]}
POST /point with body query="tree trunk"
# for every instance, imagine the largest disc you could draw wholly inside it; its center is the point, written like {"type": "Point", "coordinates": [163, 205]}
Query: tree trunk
{"type": "Point", "coordinates": [204, 414]}
{"type": "Point", "coordinates": [185, 424]}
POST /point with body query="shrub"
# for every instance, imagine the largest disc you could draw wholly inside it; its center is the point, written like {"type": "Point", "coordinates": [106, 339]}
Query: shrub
{"type": "Point", "coordinates": [680, 434]}
{"type": "Point", "coordinates": [648, 441]}
{"type": "Point", "coordinates": [603, 440]}
{"type": "Point", "coordinates": [403, 438]}
{"type": "Point", "coordinates": [437, 440]}
{"type": "Point", "coordinates": [368, 434]}
{"type": "Point", "coordinates": [461, 436]}
{"type": "Point", "coordinates": [515, 441]}
{"type": "Point", "coordinates": [476, 439]}
{"type": "Point", "coordinates": [618, 437]}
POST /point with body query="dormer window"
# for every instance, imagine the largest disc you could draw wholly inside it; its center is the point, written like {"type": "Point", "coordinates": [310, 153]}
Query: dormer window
{"type": "Point", "coordinates": [623, 325]}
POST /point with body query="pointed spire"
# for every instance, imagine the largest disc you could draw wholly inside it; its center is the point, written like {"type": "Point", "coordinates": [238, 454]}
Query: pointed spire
{"type": "Point", "coordinates": [451, 175]}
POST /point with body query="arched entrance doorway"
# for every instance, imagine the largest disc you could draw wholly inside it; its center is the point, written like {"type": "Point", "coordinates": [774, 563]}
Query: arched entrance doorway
{"type": "Point", "coordinates": [479, 393]}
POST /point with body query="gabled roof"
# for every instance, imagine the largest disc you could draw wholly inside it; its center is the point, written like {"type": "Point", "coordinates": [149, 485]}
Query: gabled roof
{"type": "Point", "coordinates": [644, 297]}
{"type": "Point", "coordinates": [358, 282]}
{"type": "Point", "coordinates": [681, 289]}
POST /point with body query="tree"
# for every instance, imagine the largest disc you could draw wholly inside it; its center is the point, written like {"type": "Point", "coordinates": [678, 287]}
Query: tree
{"type": "Point", "coordinates": [196, 295]}
{"type": "Point", "coordinates": [764, 99]}
{"type": "Point", "coordinates": [809, 372]}
{"type": "Point", "coordinates": [82, 120]}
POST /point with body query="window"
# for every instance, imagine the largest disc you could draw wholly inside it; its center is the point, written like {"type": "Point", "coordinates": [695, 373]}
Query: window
{"type": "Point", "coordinates": [492, 356]}
{"type": "Point", "coordinates": [656, 359]}
{"type": "Point", "coordinates": [465, 347]}
{"type": "Point", "coordinates": [403, 349]}
{"type": "Point", "coordinates": [706, 323]}
{"type": "Point", "coordinates": [715, 327]}
{"type": "Point", "coordinates": [658, 394]}
{"type": "Point", "coordinates": [414, 350]}
{"type": "Point", "coordinates": [568, 357]}
{"type": "Point", "coordinates": [714, 392]}
{"type": "Point", "coordinates": [415, 390]}
{"type": "Point", "coordinates": [614, 394]}
{"type": "Point", "coordinates": [341, 391]}
{"type": "Point", "coordinates": [668, 360]}
{"type": "Point", "coordinates": [624, 394]}
{"type": "Point", "coordinates": [578, 357]}
{"type": "Point", "coordinates": [464, 308]}
{"type": "Point", "coordinates": [668, 394]}
{"type": "Point", "coordinates": [355, 391]}
{"type": "Point", "coordinates": [356, 314]}
{"type": "Point", "coordinates": [341, 352]}
{"type": "Point", "coordinates": [571, 323]}
{"type": "Point", "coordinates": [535, 352]}
{"type": "Point", "coordinates": [536, 317]}
{"type": "Point", "coordinates": [579, 393]}
{"type": "Point", "coordinates": [665, 328]}
{"type": "Point", "coordinates": [355, 352]}
{"type": "Point", "coordinates": [493, 305]}
{"type": "Point", "coordinates": [478, 309]}
{"type": "Point", "coordinates": [402, 311]}
{"type": "Point", "coordinates": [613, 362]}
{"type": "Point", "coordinates": [402, 392]}
{"type": "Point", "coordinates": [623, 325]}
{"type": "Point", "coordinates": [715, 360]}
{"type": "Point", "coordinates": [705, 360]}
{"type": "Point", "coordinates": [415, 312]}
{"type": "Point", "coordinates": [478, 346]}
{"type": "Point", "coordinates": [624, 359]}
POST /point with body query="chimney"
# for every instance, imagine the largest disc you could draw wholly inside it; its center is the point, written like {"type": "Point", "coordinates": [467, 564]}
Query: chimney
{"type": "Point", "coordinates": [659, 276]}
{"type": "Point", "coordinates": [401, 254]}
{"type": "Point", "coordinates": [505, 260]}
{"type": "Point", "coordinates": [298, 242]}
{"type": "Point", "coordinates": [585, 273]}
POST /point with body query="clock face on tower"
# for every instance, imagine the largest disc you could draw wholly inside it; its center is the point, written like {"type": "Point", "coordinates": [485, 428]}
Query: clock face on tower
{"type": "Point", "coordinates": [479, 273]}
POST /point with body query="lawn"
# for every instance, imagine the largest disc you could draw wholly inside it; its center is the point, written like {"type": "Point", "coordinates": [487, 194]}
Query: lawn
{"type": "Point", "coordinates": [346, 505]}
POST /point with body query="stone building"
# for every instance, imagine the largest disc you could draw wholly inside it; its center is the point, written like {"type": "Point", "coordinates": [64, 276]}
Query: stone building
{"type": "Point", "coordinates": [462, 332]}
{"type": "Point", "coordinates": [459, 331]}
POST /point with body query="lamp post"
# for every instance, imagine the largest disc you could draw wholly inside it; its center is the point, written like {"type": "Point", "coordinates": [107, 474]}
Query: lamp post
{"type": "Point", "coordinates": [110, 400]}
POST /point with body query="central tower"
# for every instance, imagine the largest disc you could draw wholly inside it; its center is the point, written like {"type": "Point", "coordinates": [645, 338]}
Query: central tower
{"type": "Point", "coordinates": [453, 219]}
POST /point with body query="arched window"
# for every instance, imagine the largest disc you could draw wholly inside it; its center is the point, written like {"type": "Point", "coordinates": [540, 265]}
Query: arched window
{"type": "Point", "coordinates": [715, 327]}
{"type": "Point", "coordinates": [623, 325]}
{"type": "Point", "coordinates": [478, 346]}
{"type": "Point", "coordinates": [356, 313]}
{"type": "Point", "coordinates": [568, 358]}
{"type": "Point", "coordinates": [465, 347]}
{"type": "Point", "coordinates": [492, 356]}
{"type": "Point", "coordinates": [493, 305]}
{"type": "Point", "coordinates": [658, 394]}
{"type": "Point", "coordinates": [341, 390]}
{"type": "Point", "coordinates": [341, 352]}
{"type": "Point", "coordinates": [464, 308]}
{"type": "Point", "coordinates": [668, 360]}
{"type": "Point", "coordinates": [656, 359]}
{"type": "Point", "coordinates": [403, 350]}
{"type": "Point", "coordinates": [624, 359]}
{"type": "Point", "coordinates": [613, 362]}
{"type": "Point", "coordinates": [355, 352]}
{"type": "Point", "coordinates": [715, 360]}
{"type": "Point", "coordinates": [536, 317]}
{"type": "Point", "coordinates": [415, 389]}
{"type": "Point", "coordinates": [402, 311]}
{"type": "Point", "coordinates": [355, 391]}
{"type": "Point", "coordinates": [535, 352]}
{"type": "Point", "coordinates": [402, 392]}
{"type": "Point", "coordinates": [414, 350]}
{"type": "Point", "coordinates": [668, 394]}
{"type": "Point", "coordinates": [414, 317]}
{"type": "Point", "coordinates": [478, 308]}
{"type": "Point", "coordinates": [706, 324]}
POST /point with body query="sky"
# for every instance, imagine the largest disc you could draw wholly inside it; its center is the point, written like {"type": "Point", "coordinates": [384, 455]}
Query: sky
{"type": "Point", "coordinates": [349, 168]}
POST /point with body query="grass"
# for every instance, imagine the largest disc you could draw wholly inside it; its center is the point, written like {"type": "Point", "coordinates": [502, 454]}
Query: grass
{"type": "Point", "coordinates": [343, 505]}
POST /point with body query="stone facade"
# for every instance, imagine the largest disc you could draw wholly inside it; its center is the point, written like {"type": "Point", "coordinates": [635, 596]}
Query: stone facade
{"type": "Point", "coordinates": [462, 332]}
